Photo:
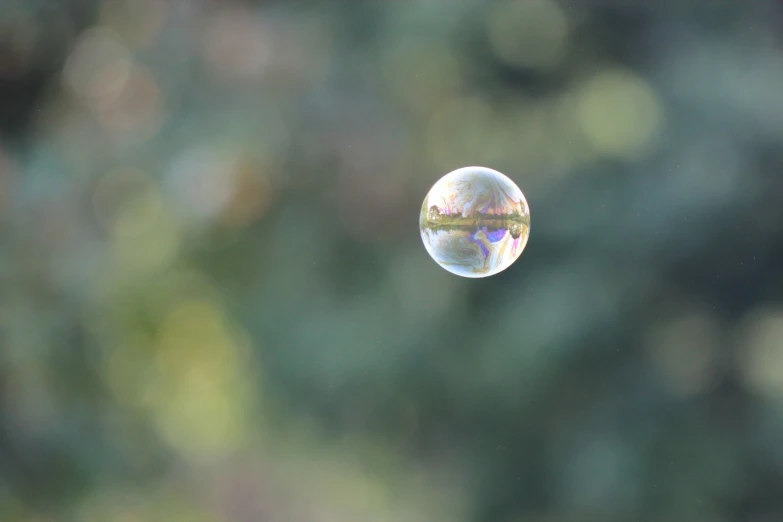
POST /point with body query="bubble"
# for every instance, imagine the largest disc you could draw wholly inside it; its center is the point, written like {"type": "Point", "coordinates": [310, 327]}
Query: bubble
{"type": "Point", "coordinates": [475, 222]}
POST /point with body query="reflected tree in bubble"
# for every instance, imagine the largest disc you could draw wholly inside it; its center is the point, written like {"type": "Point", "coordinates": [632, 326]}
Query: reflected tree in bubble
{"type": "Point", "coordinates": [475, 222]}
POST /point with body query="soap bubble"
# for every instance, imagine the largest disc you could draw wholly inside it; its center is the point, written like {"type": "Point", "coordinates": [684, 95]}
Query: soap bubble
{"type": "Point", "coordinates": [475, 222]}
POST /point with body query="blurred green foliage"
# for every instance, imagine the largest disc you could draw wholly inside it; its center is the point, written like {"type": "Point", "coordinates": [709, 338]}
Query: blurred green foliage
{"type": "Point", "coordinates": [215, 306]}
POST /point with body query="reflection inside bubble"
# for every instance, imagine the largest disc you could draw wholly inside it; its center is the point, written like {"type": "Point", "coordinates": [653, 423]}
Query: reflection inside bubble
{"type": "Point", "coordinates": [474, 222]}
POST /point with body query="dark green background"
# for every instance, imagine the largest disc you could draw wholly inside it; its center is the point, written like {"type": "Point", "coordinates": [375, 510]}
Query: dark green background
{"type": "Point", "coordinates": [215, 305]}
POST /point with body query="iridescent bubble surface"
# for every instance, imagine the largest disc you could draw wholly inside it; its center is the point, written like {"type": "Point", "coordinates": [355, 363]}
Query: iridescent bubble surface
{"type": "Point", "coordinates": [475, 222]}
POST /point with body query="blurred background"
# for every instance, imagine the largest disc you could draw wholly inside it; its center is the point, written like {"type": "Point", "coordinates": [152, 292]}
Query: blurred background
{"type": "Point", "coordinates": [215, 305]}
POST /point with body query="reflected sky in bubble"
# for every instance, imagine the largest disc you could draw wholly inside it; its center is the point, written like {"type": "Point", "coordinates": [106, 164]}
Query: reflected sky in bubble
{"type": "Point", "coordinates": [475, 222]}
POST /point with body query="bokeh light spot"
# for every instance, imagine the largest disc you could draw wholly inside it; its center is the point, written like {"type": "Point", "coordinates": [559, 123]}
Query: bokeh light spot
{"type": "Point", "coordinates": [619, 113]}
{"type": "Point", "coordinates": [760, 352]}
{"type": "Point", "coordinates": [98, 68]}
{"type": "Point", "coordinates": [237, 45]}
{"type": "Point", "coordinates": [200, 398]}
{"type": "Point", "coordinates": [200, 418]}
{"type": "Point", "coordinates": [201, 182]}
{"type": "Point", "coordinates": [251, 196]}
{"type": "Point", "coordinates": [138, 106]}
